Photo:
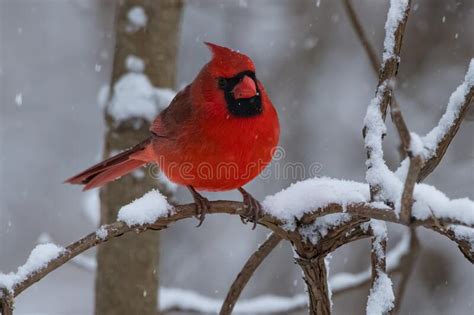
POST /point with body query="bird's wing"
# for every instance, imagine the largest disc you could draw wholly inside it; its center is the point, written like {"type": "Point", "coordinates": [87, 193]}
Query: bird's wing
{"type": "Point", "coordinates": [174, 116]}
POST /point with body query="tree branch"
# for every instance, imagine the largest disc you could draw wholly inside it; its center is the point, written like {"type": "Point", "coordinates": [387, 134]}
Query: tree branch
{"type": "Point", "coordinates": [465, 245]}
{"type": "Point", "coordinates": [344, 282]}
{"type": "Point", "coordinates": [392, 55]}
{"type": "Point", "coordinates": [381, 295]}
{"type": "Point", "coordinates": [374, 126]}
{"type": "Point", "coordinates": [442, 146]}
{"type": "Point", "coordinates": [227, 207]}
{"type": "Point", "coordinates": [374, 62]}
{"type": "Point", "coordinates": [407, 195]}
{"type": "Point", "coordinates": [235, 208]}
{"type": "Point", "coordinates": [6, 302]}
{"type": "Point", "coordinates": [399, 122]}
{"type": "Point", "coordinates": [369, 210]}
{"type": "Point", "coordinates": [406, 268]}
{"type": "Point", "coordinates": [416, 161]}
{"type": "Point", "coordinates": [418, 170]}
{"type": "Point", "coordinates": [316, 278]}
{"type": "Point", "coordinates": [247, 271]}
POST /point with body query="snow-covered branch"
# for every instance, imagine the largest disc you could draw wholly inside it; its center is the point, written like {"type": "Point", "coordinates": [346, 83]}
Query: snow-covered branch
{"type": "Point", "coordinates": [186, 300]}
{"type": "Point", "coordinates": [381, 295]}
{"type": "Point", "coordinates": [436, 142]}
{"type": "Point", "coordinates": [432, 209]}
{"type": "Point", "coordinates": [386, 186]}
{"type": "Point", "coordinates": [381, 180]}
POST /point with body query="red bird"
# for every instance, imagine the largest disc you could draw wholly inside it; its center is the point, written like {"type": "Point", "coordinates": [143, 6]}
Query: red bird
{"type": "Point", "coordinates": [217, 134]}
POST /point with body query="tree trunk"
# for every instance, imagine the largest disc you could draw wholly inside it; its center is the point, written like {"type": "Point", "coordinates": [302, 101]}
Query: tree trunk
{"type": "Point", "coordinates": [127, 274]}
{"type": "Point", "coordinates": [316, 278]}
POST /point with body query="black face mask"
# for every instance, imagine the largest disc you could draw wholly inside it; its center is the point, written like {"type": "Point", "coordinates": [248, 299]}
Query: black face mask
{"type": "Point", "coordinates": [242, 107]}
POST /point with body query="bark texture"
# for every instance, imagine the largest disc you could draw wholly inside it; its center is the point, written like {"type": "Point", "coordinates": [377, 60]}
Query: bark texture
{"type": "Point", "coordinates": [6, 303]}
{"type": "Point", "coordinates": [315, 276]}
{"type": "Point", "coordinates": [127, 274]}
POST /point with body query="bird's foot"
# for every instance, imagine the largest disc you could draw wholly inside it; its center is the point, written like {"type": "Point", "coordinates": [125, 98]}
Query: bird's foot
{"type": "Point", "coordinates": [254, 208]}
{"type": "Point", "coordinates": [202, 205]}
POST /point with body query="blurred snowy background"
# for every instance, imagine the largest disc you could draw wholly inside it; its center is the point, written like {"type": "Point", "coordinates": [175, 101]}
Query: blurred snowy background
{"type": "Point", "coordinates": [56, 55]}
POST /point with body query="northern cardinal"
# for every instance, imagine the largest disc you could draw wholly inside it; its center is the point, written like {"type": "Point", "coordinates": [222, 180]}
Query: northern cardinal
{"type": "Point", "coordinates": [217, 134]}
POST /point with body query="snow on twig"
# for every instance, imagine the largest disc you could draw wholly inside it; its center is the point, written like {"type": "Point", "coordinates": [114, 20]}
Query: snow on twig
{"type": "Point", "coordinates": [83, 261]}
{"type": "Point", "coordinates": [306, 196]}
{"type": "Point", "coordinates": [379, 232]}
{"type": "Point", "coordinates": [395, 16]}
{"type": "Point", "coordinates": [322, 225]}
{"type": "Point", "coordinates": [389, 187]}
{"type": "Point", "coordinates": [383, 184]}
{"type": "Point", "coordinates": [146, 209]}
{"type": "Point", "coordinates": [39, 257]}
{"type": "Point", "coordinates": [429, 201]}
{"type": "Point", "coordinates": [456, 102]}
{"type": "Point", "coordinates": [344, 280]}
{"type": "Point", "coordinates": [464, 233]}
{"type": "Point", "coordinates": [381, 297]}
{"type": "Point", "coordinates": [434, 144]}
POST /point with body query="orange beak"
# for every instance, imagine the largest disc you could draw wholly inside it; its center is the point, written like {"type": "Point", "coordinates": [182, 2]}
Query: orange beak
{"type": "Point", "coordinates": [246, 88]}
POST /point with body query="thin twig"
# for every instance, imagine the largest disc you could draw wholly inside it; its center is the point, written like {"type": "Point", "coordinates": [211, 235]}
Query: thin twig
{"type": "Point", "coordinates": [372, 131]}
{"type": "Point", "coordinates": [416, 163]}
{"type": "Point", "coordinates": [369, 49]}
{"type": "Point", "coordinates": [379, 268]}
{"type": "Point", "coordinates": [375, 62]}
{"type": "Point", "coordinates": [406, 268]}
{"type": "Point", "coordinates": [357, 26]}
{"type": "Point", "coordinates": [401, 126]}
{"type": "Point", "coordinates": [369, 210]}
{"type": "Point", "coordinates": [390, 66]}
{"type": "Point", "coordinates": [378, 254]}
{"type": "Point", "coordinates": [441, 148]}
{"type": "Point", "coordinates": [247, 271]}
{"type": "Point", "coordinates": [465, 246]}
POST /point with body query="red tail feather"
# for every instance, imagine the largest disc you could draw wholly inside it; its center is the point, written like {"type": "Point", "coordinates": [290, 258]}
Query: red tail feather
{"type": "Point", "coordinates": [112, 168]}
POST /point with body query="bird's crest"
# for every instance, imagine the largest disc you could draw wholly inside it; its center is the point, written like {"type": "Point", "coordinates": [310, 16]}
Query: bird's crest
{"type": "Point", "coordinates": [227, 62]}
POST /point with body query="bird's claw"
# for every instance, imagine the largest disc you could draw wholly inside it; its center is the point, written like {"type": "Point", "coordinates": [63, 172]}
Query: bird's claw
{"type": "Point", "coordinates": [202, 206]}
{"type": "Point", "coordinates": [254, 209]}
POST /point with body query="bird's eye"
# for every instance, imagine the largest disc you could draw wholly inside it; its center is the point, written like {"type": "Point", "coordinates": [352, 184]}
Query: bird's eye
{"type": "Point", "coordinates": [222, 83]}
